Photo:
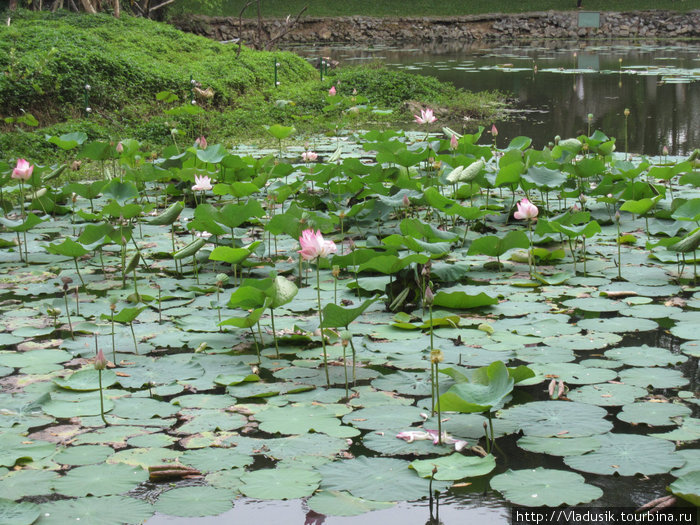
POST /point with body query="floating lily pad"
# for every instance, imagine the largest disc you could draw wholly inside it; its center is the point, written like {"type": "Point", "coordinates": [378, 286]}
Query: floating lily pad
{"type": "Point", "coordinates": [100, 480]}
{"type": "Point", "coordinates": [607, 394]}
{"type": "Point", "coordinates": [194, 501]}
{"type": "Point", "coordinates": [383, 479]}
{"type": "Point", "coordinates": [84, 455]}
{"type": "Point", "coordinates": [574, 373]}
{"type": "Point", "coordinates": [383, 417]}
{"type": "Point", "coordinates": [145, 457]}
{"type": "Point", "coordinates": [687, 487]}
{"type": "Point", "coordinates": [653, 377]}
{"type": "Point", "coordinates": [86, 380]}
{"type": "Point", "coordinates": [338, 503]}
{"type": "Point", "coordinates": [559, 446]}
{"type": "Point", "coordinates": [628, 454]}
{"type": "Point", "coordinates": [654, 414]}
{"type": "Point", "coordinates": [618, 325]}
{"type": "Point", "coordinates": [304, 418]}
{"type": "Point", "coordinates": [644, 356]}
{"type": "Point", "coordinates": [453, 467]}
{"type": "Point", "coordinates": [12, 513]}
{"type": "Point", "coordinates": [558, 418]}
{"type": "Point", "coordinates": [280, 483]}
{"type": "Point", "coordinates": [544, 487]}
{"type": "Point", "coordinates": [408, 383]}
{"type": "Point", "coordinates": [21, 483]}
{"type": "Point", "coordinates": [213, 459]}
{"type": "Point", "coordinates": [688, 432]}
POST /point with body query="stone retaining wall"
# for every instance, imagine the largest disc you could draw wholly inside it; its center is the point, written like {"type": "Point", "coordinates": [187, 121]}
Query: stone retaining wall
{"type": "Point", "coordinates": [551, 24]}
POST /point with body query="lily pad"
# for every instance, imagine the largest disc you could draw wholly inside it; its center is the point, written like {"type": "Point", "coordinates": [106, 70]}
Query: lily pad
{"type": "Point", "coordinates": [644, 356]}
{"type": "Point", "coordinates": [304, 418]}
{"type": "Point", "coordinates": [653, 377]}
{"type": "Point", "coordinates": [194, 501]}
{"type": "Point", "coordinates": [382, 479]}
{"type": "Point", "coordinates": [12, 513]}
{"type": "Point", "coordinates": [607, 394]}
{"type": "Point", "coordinates": [558, 418]}
{"type": "Point", "coordinates": [654, 414]}
{"type": "Point", "coordinates": [100, 480]}
{"type": "Point", "coordinates": [628, 454]}
{"type": "Point", "coordinates": [687, 487]}
{"type": "Point", "coordinates": [559, 446]}
{"type": "Point", "coordinates": [453, 467]}
{"type": "Point", "coordinates": [338, 503]}
{"type": "Point", "coordinates": [544, 487]}
{"type": "Point", "coordinates": [280, 483]}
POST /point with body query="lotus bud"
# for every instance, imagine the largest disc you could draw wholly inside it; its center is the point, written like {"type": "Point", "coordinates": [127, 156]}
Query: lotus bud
{"type": "Point", "coordinates": [562, 389]}
{"type": "Point", "coordinates": [429, 297]}
{"type": "Point", "coordinates": [627, 112]}
{"type": "Point", "coordinates": [494, 130]}
{"type": "Point", "coordinates": [406, 201]}
{"type": "Point", "coordinates": [557, 139]}
{"type": "Point", "coordinates": [617, 217]}
{"type": "Point", "coordinates": [74, 197]}
{"type": "Point", "coordinates": [665, 150]}
{"type": "Point", "coordinates": [453, 142]}
{"type": "Point", "coordinates": [120, 147]}
{"type": "Point", "coordinates": [590, 117]}
{"type": "Point", "coordinates": [87, 87]}
{"type": "Point", "coordinates": [552, 387]}
{"type": "Point", "coordinates": [100, 360]}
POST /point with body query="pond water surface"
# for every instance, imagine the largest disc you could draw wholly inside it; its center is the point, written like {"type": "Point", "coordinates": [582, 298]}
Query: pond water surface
{"type": "Point", "coordinates": [556, 84]}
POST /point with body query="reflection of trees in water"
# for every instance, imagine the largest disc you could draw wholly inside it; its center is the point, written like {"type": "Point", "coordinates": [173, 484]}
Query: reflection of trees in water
{"type": "Point", "coordinates": [660, 114]}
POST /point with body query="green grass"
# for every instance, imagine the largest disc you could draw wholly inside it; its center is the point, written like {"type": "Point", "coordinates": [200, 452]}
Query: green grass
{"type": "Point", "coordinates": [281, 8]}
{"type": "Point", "coordinates": [46, 60]}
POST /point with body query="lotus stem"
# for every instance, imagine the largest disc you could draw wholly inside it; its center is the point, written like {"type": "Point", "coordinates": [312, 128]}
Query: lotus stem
{"type": "Point", "coordinates": [70, 324]}
{"type": "Point", "coordinates": [320, 320]}
{"type": "Point", "coordinates": [102, 405]}
{"type": "Point", "coordinates": [77, 269]}
{"type": "Point", "coordinates": [133, 335]}
{"type": "Point", "coordinates": [437, 395]}
{"type": "Point", "coordinates": [274, 332]}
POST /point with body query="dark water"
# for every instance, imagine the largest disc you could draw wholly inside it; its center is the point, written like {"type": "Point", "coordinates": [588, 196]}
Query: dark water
{"type": "Point", "coordinates": [557, 84]}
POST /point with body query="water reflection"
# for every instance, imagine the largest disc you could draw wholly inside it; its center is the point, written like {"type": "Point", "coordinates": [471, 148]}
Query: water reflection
{"type": "Point", "coordinates": [557, 84]}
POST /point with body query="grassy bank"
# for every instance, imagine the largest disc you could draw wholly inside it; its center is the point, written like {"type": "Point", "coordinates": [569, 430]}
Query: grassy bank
{"type": "Point", "coordinates": [281, 8]}
{"type": "Point", "coordinates": [47, 59]}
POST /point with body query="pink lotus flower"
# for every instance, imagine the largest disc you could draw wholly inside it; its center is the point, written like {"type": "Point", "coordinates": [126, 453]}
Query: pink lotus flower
{"type": "Point", "coordinates": [120, 147]}
{"type": "Point", "coordinates": [426, 117]}
{"type": "Point", "coordinates": [313, 245]}
{"type": "Point", "coordinates": [414, 435]}
{"type": "Point", "coordinates": [332, 91]}
{"type": "Point", "coordinates": [309, 156]}
{"type": "Point", "coordinates": [100, 361]}
{"type": "Point", "coordinates": [201, 183]}
{"type": "Point", "coordinates": [526, 210]}
{"type": "Point", "coordinates": [453, 142]}
{"type": "Point", "coordinates": [23, 170]}
{"type": "Point", "coordinates": [494, 130]}
{"type": "Point", "coordinates": [201, 142]}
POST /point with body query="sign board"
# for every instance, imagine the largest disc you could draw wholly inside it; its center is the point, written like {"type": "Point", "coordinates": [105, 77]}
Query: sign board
{"type": "Point", "coordinates": [589, 19]}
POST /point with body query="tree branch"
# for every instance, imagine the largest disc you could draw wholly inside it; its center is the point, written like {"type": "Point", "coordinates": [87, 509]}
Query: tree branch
{"type": "Point", "coordinates": [288, 26]}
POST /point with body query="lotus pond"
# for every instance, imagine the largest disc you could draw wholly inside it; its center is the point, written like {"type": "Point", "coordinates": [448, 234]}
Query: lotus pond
{"type": "Point", "coordinates": [555, 84]}
{"type": "Point", "coordinates": [559, 344]}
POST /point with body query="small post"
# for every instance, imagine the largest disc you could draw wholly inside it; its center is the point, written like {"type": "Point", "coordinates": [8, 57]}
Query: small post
{"type": "Point", "coordinates": [192, 82]}
{"type": "Point", "coordinates": [320, 67]}
{"type": "Point", "coordinates": [276, 66]}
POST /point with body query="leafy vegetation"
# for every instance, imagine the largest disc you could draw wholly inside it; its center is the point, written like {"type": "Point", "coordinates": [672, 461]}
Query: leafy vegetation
{"type": "Point", "coordinates": [48, 59]}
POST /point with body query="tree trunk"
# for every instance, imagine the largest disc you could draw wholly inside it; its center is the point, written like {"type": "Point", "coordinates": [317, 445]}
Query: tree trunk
{"type": "Point", "coordinates": [117, 10]}
{"type": "Point", "coordinates": [89, 8]}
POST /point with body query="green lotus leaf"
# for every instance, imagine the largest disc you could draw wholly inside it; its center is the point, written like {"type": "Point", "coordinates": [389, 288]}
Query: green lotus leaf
{"type": "Point", "coordinates": [628, 454]}
{"type": "Point", "coordinates": [557, 446]}
{"type": "Point", "coordinates": [194, 501]}
{"type": "Point", "coordinates": [453, 467]}
{"type": "Point", "coordinates": [86, 379]}
{"type": "Point", "coordinates": [100, 480]}
{"type": "Point", "coordinates": [542, 487]}
{"type": "Point", "coordinates": [338, 503]}
{"type": "Point", "coordinates": [12, 513]}
{"type": "Point", "coordinates": [382, 479]}
{"type": "Point", "coordinates": [558, 418]}
{"type": "Point", "coordinates": [279, 483]}
{"type": "Point", "coordinates": [654, 414]}
{"type": "Point", "coordinates": [92, 510]}
{"type": "Point", "coordinates": [22, 483]}
{"type": "Point", "coordinates": [687, 487]}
